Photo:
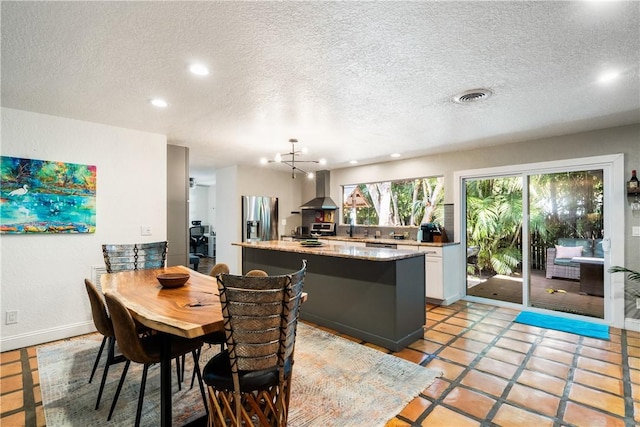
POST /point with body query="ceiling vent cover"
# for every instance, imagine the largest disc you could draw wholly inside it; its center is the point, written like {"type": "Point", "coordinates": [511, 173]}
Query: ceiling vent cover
{"type": "Point", "coordinates": [473, 95]}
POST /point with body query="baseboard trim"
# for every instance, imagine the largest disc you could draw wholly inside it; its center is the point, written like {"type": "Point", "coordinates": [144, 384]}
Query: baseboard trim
{"type": "Point", "coordinates": [46, 335]}
{"type": "Point", "coordinates": [631, 324]}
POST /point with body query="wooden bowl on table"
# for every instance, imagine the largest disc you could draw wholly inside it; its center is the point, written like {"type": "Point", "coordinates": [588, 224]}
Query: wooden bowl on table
{"type": "Point", "coordinates": [173, 280]}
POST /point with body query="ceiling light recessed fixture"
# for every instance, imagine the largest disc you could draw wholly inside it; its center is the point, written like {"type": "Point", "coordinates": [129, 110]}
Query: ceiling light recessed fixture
{"type": "Point", "coordinates": [473, 95]}
{"type": "Point", "coordinates": [289, 159]}
{"type": "Point", "coordinates": [199, 70]}
{"type": "Point", "coordinates": [353, 162]}
{"type": "Point", "coordinates": [609, 76]}
{"type": "Point", "coordinates": [160, 103]}
{"type": "Point", "coordinates": [394, 155]}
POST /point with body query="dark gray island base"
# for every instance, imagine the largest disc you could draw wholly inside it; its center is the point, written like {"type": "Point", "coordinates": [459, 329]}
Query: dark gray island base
{"type": "Point", "coordinates": [379, 300]}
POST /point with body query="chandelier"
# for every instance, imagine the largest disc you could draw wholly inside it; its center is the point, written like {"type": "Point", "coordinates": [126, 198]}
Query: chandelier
{"type": "Point", "coordinates": [290, 160]}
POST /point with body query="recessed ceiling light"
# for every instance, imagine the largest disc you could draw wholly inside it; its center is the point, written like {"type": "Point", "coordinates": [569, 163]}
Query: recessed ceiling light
{"type": "Point", "coordinates": [264, 161]}
{"type": "Point", "coordinates": [322, 161]}
{"type": "Point", "coordinates": [354, 162]}
{"type": "Point", "coordinates": [395, 155]}
{"type": "Point", "coordinates": [160, 103]}
{"type": "Point", "coordinates": [199, 70]}
{"type": "Point", "coordinates": [609, 76]}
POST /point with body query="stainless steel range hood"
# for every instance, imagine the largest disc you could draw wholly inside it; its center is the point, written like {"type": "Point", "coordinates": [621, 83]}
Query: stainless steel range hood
{"type": "Point", "coordinates": [322, 199]}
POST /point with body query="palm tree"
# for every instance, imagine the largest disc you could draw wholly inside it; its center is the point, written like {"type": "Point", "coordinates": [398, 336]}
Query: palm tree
{"type": "Point", "coordinates": [494, 223]}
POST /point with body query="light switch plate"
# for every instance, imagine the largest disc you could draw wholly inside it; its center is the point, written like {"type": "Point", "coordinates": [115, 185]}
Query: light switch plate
{"type": "Point", "coordinates": [635, 231]}
{"type": "Point", "coordinates": [145, 230]}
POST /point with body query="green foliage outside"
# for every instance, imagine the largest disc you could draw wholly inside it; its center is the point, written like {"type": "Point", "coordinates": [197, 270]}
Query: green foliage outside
{"type": "Point", "coordinates": [397, 203]}
{"type": "Point", "coordinates": [561, 205]}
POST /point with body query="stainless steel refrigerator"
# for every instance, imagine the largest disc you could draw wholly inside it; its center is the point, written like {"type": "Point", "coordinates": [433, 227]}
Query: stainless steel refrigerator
{"type": "Point", "coordinates": [259, 218]}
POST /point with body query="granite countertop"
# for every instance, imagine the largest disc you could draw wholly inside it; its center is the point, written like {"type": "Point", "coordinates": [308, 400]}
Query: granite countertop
{"type": "Point", "coordinates": [369, 239]}
{"type": "Point", "coordinates": [342, 251]}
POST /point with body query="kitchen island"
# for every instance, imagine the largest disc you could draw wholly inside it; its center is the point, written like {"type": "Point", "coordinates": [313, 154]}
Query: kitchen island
{"type": "Point", "coordinates": [374, 294]}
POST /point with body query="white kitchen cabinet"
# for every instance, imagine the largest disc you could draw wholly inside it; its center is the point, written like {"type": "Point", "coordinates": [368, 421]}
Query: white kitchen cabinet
{"type": "Point", "coordinates": [443, 273]}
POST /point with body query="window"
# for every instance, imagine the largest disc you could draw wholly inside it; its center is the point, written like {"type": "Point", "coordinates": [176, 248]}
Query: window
{"type": "Point", "coordinates": [408, 202]}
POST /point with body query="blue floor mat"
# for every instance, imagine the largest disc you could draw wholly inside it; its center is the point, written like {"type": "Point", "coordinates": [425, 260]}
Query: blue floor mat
{"type": "Point", "coordinates": [580, 327]}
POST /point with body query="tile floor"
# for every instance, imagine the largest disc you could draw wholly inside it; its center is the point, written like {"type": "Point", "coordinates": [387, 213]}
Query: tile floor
{"type": "Point", "coordinates": [495, 373]}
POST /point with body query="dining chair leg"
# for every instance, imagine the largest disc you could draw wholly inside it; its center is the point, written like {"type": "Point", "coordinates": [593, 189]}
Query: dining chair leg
{"type": "Point", "coordinates": [196, 369]}
{"type": "Point", "coordinates": [141, 395]}
{"type": "Point", "coordinates": [95, 364]}
{"type": "Point", "coordinates": [183, 364]}
{"type": "Point", "coordinates": [178, 373]}
{"type": "Point", "coordinates": [193, 375]}
{"type": "Point", "coordinates": [115, 398]}
{"type": "Point", "coordinates": [111, 344]}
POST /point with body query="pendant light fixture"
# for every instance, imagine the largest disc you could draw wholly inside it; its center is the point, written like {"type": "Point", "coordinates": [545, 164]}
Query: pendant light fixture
{"type": "Point", "coordinates": [290, 160]}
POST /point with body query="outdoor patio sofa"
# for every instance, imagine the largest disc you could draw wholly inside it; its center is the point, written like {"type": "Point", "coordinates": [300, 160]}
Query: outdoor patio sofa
{"type": "Point", "coordinates": [559, 262]}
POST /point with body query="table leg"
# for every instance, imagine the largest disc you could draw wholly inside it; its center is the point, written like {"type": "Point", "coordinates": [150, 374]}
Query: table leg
{"type": "Point", "coordinates": [165, 382]}
{"type": "Point", "coordinates": [592, 279]}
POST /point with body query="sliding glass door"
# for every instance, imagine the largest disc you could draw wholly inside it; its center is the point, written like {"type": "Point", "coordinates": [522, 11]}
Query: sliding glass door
{"type": "Point", "coordinates": [566, 228]}
{"type": "Point", "coordinates": [537, 238]}
{"type": "Point", "coordinates": [494, 238]}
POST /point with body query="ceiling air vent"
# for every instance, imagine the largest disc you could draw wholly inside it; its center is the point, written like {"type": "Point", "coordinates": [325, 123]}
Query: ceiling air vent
{"type": "Point", "coordinates": [471, 96]}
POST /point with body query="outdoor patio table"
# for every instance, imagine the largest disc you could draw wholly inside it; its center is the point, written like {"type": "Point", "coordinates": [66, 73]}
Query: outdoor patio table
{"type": "Point", "coordinates": [591, 275]}
{"type": "Point", "coordinates": [188, 311]}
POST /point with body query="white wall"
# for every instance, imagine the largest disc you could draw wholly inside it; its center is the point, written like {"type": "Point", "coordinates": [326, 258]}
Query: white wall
{"type": "Point", "coordinates": [211, 205]}
{"type": "Point", "coordinates": [234, 182]}
{"type": "Point", "coordinates": [624, 139]}
{"type": "Point", "coordinates": [42, 275]}
{"type": "Point", "coordinates": [199, 204]}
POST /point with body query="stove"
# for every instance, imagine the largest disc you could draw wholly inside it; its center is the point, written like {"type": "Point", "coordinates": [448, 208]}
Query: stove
{"type": "Point", "coordinates": [323, 228]}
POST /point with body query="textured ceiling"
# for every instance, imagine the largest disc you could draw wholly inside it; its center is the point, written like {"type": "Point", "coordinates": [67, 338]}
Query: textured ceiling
{"type": "Point", "coordinates": [349, 80]}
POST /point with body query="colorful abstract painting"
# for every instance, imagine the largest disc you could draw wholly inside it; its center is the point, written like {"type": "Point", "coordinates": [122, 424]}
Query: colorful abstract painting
{"type": "Point", "coordinates": [40, 196]}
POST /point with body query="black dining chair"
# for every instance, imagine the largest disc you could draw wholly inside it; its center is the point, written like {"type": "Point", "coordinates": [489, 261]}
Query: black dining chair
{"type": "Point", "coordinates": [145, 350]}
{"type": "Point", "coordinates": [197, 238]}
{"type": "Point", "coordinates": [250, 381]}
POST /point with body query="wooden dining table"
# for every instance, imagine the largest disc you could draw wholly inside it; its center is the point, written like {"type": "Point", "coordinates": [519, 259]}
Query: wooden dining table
{"type": "Point", "coordinates": [188, 311]}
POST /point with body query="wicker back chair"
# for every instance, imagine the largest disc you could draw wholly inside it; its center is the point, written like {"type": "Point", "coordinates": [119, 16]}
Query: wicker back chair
{"type": "Point", "coordinates": [250, 382]}
{"type": "Point", "coordinates": [136, 256]}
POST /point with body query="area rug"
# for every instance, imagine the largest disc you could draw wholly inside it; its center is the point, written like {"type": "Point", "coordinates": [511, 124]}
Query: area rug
{"type": "Point", "coordinates": [580, 327]}
{"type": "Point", "coordinates": [336, 383]}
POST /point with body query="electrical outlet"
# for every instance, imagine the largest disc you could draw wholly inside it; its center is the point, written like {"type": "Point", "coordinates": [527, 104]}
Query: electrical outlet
{"type": "Point", "coordinates": [12, 317]}
{"type": "Point", "coordinates": [638, 303]}
{"type": "Point", "coordinates": [635, 231]}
